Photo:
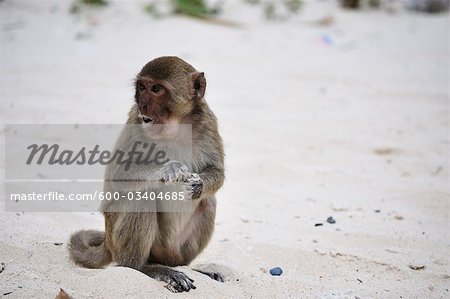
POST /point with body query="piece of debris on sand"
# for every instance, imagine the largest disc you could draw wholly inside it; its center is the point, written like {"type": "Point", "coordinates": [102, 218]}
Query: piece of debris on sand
{"type": "Point", "coordinates": [417, 267]}
{"type": "Point", "coordinates": [385, 151]}
{"type": "Point", "coordinates": [63, 295]}
{"type": "Point", "coordinates": [399, 217]}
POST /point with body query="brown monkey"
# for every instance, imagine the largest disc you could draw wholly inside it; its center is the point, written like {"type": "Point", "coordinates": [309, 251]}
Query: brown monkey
{"type": "Point", "coordinates": [168, 91]}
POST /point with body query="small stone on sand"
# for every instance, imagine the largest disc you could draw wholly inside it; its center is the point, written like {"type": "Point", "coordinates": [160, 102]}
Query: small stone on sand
{"type": "Point", "coordinates": [331, 220]}
{"type": "Point", "coordinates": [276, 271]}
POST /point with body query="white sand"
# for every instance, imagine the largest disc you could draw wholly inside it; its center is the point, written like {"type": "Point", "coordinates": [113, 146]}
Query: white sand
{"type": "Point", "coordinates": [301, 121]}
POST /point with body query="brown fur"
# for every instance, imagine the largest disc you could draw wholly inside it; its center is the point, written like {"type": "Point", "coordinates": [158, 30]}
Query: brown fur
{"type": "Point", "coordinates": [87, 248]}
{"type": "Point", "coordinates": [152, 241]}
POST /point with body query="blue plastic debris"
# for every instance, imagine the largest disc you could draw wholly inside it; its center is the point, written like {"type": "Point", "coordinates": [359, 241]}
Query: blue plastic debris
{"type": "Point", "coordinates": [276, 271]}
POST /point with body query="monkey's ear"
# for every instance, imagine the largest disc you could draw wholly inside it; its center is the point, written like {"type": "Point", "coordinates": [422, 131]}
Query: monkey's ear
{"type": "Point", "coordinates": [198, 85]}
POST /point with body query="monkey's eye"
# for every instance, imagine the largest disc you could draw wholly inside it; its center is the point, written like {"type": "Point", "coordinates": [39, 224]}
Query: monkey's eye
{"type": "Point", "coordinates": [156, 88]}
{"type": "Point", "coordinates": [141, 86]}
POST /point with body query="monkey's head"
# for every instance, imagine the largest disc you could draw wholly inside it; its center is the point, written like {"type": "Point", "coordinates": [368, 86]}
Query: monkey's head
{"type": "Point", "coordinates": [168, 92]}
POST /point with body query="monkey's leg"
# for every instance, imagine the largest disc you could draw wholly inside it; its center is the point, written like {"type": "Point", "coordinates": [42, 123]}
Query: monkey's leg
{"type": "Point", "coordinates": [133, 235]}
{"type": "Point", "coordinates": [129, 237]}
{"type": "Point", "coordinates": [177, 280]}
{"type": "Point", "coordinates": [202, 227]}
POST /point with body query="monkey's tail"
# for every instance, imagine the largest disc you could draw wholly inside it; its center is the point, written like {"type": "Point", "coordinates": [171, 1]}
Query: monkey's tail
{"type": "Point", "coordinates": [87, 248]}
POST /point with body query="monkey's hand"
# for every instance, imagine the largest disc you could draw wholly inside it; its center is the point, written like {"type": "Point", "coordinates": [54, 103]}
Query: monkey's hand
{"type": "Point", "coordinates": [193, 186]}
{"type": "Point", "coordinates": [174, 171]}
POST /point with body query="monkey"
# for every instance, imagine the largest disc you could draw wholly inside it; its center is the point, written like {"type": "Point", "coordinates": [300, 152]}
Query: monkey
{"type": "Point", "coordinates": [168, 92]}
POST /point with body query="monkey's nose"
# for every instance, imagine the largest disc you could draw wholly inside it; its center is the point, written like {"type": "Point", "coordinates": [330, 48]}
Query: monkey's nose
{"type": "Point", "coordinates": [143, 107]}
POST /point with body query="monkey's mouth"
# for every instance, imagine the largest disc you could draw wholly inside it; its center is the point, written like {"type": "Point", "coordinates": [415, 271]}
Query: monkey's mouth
{"type": "Point", "coordinates": [147, 120]}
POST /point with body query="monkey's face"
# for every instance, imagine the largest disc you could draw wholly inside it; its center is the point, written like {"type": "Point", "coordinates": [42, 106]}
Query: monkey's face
{"type": "Point", "coordinates": [153, 100]}
{"type": "Point", "coordinates": [164, 104]}
{"type": "Point", "coordinates": [155, 111]}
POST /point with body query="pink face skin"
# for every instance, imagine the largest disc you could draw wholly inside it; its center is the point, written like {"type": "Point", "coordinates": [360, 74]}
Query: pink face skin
{"type": "Point", "coordinates": [152, 97]}
{"type": "Point", "coordinates": [160, 114]}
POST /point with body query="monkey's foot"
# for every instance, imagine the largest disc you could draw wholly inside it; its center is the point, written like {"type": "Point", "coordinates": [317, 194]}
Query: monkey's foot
{"type": "Point", "coordinates": [214, 275]}
{"type": "Point", "coordinates": [177, 281]}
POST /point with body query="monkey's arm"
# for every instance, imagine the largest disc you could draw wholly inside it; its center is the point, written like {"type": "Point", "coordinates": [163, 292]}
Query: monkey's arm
{"type": "Point", "coordinates": [140, 178]}
{"type": "Point", "coordinates": [212, 178]}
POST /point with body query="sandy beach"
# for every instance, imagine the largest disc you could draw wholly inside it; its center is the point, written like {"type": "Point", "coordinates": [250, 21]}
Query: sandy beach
{"type": "Point", "coordinates": [348, 120]}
